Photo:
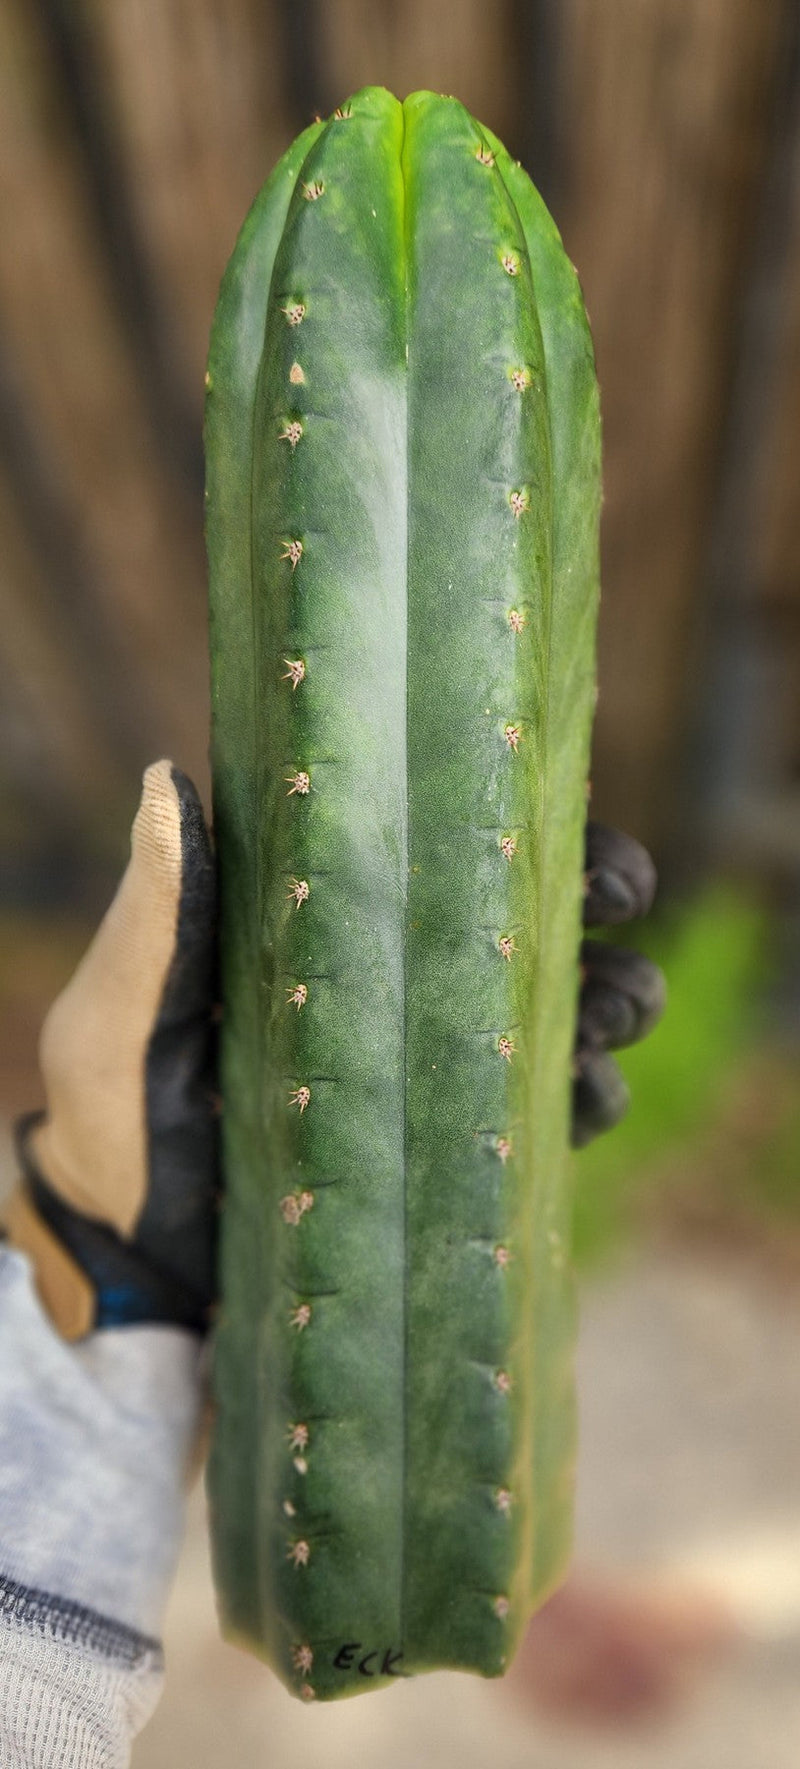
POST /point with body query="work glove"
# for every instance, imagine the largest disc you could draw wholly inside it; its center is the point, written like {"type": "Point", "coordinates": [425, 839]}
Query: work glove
{"type": "Point", "coordinates": [622, 993]}
{"type": "Point", "coordinates": [117, 1207]}
{"type": "Point", "coordinates": [118, 1203]}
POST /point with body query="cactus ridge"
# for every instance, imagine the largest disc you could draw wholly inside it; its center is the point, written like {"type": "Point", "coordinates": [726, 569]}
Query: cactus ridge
{"type": "Point", "coordinates": [403, 488]}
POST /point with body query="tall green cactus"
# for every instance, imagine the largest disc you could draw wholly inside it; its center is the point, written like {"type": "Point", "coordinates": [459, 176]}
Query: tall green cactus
{"type": "Point", "coordinates": [402, 511]}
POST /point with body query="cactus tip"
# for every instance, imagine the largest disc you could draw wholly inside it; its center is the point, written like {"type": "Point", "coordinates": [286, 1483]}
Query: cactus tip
{"type": "Point", "coordinates": [508, 846]}
{"type": "Point", "coordinates": [502, 1381]}
{"type": "Point", "coordinates": [520, 502]}
{"type": "Point", "coordinates": [512, 735]}
{"type": "Point", "coordinates": [299, 1553]}
{"type": "Point", "coordinates": [510, 263]}
{"type": "Point", "coordinates": [516, 620]}
{"type": "Point", "coordinates": [300, 1317]}
{"type": "Point", "coordinates": [296, 375]}
{"type": "Point", "coordinates": [295, 312]}
{"type": "Point", "coordinates": [297, 996]}
{"type": "Point", "coordinates": [299, 783]}
{"type": "Point", "coordinates": [502, 1499]}
{"type": "Point", "coordinates": [507, 945]}
{"type": "Point", "coordinates": [501, 1607]}
{"type": "Point", "coordinates": [506, 1047]}
{"type": "Point", "coordinates": [502, 1257]}
{"type": "Point", "coordinates": [312, 192]}
{"type": "Point", "coordinates": [484, 155]}
{"type": "Point", "coordinates": [520, 379]}
{"type": "Point", "coordinates": [302, 1657]}
{"type": "Point", "coordinates": [503, 1148]}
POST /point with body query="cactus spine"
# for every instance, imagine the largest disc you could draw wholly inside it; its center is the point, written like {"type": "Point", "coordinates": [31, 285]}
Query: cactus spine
{"type": "Point", "coordinates": [402, 508]}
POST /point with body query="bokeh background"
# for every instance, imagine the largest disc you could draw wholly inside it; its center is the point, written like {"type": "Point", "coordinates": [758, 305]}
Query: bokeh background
{"type": "Point", "coordinates": [665, 136]}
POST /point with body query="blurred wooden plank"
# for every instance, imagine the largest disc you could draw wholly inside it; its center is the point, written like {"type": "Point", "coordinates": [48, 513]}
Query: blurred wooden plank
{"type": "Point", "coordinates": [83, 397]}
{"type": "Point", "coordinates": [37, 957]}
{"type": "Point", "coordinates": [750, 674]}
{"type": "Point", "coordinates": [671, 117]}
{"type": "Point", "coordinates": [538, 123]}
{"type": "Point", "coordinates": [781, 597]}
{"type": "Point", "coordinates": [305, 76]}
{"type": "Point", "coordinates": [197, 89]}
{"type": "Point", "coordinates": [53, 723]}
{"type": "Point", "coordinates": [90, 115]}
{"type": "Point", "coordinates": [462, 48]}
{"type": "Point", "coordinates": [39, 511]}
{"type": "Point", "coordinates": [779, 529]}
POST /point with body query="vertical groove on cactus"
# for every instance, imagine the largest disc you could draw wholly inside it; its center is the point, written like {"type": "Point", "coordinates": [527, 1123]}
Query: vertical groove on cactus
{"type": "Point", "coordinates": [402, 609]}
{"type": "Point", "coordinates": [403, 1520]}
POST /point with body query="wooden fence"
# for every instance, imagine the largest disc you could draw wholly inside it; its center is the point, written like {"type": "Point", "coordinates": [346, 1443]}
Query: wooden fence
{"type": "Point", "coordinates": [133, 135]}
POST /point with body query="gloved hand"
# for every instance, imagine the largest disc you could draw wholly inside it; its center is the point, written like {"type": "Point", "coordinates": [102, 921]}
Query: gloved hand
{"type": "Point", "coordinates": [118, 1205]}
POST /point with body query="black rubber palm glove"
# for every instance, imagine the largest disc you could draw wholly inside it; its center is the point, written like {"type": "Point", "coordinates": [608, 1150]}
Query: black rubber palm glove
{"type": "Point", "coordinates": [622, 994]}
{"type": "Point", "coordinates": [117, 1208]}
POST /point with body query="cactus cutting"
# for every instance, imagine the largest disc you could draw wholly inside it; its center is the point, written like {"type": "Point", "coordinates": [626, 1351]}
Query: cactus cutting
{"type": "Point", "coordinates": [403, 486]}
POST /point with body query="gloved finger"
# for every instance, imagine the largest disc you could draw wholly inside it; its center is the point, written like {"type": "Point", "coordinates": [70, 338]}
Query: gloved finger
{"type": "Point", "coordinates": [622, 996]}
{"type": "Point", "coordinates": [620, 878]}
{"type": "Point", "coordinates": [600, 1097]}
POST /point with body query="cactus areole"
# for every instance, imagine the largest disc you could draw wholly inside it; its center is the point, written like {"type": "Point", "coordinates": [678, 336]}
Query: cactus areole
{"type": "Point", "coordinates": [402, 440]}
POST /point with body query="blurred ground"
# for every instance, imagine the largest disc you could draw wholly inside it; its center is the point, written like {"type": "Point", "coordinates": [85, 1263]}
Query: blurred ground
{"type": "Point", "coordinates": [690, 1449]}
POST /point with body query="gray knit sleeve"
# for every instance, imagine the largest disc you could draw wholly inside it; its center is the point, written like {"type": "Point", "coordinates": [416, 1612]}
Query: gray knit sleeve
{"type": "Point", "coordinates": [96, 1440]}
{"type": "Point", "coordinates": [75, 1688]}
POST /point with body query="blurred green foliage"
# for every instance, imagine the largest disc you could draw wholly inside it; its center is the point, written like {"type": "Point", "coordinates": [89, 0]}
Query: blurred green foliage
{"type": "Point", "coordinates": [715, 954]}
